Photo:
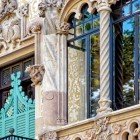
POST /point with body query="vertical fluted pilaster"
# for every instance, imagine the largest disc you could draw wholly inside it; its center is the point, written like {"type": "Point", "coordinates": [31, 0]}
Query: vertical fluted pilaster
{"type": "Point", "coordinates": [104, 102]}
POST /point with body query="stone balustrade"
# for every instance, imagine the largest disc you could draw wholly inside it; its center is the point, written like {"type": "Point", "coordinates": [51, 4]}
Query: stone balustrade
{"type": "Point", "coordinates": [123, 124]}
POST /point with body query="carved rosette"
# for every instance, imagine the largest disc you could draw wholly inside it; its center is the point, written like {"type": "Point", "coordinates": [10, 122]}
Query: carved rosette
{"type": "Point", "coordinates": [63, 28]}
{"type": "Point", "coordinates": [36, 73]}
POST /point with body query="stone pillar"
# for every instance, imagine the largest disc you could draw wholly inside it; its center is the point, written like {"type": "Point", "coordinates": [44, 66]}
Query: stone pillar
{"type": "Point", "coordinates": [103, 7]}
{"type": "Point", "coordinates": [62, 32]}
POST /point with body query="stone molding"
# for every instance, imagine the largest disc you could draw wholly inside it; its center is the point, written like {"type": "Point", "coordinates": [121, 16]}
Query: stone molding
{"type": "Point", "coordinates": [36, 73]}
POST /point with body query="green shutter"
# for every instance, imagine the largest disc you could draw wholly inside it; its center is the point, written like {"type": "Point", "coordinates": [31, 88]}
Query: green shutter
{"type": "Point", "coordinates": [18, 111]}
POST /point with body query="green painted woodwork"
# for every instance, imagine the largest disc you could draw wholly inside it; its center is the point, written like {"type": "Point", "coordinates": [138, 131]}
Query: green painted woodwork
{"type": "Point", "coordinates": [18, 111]}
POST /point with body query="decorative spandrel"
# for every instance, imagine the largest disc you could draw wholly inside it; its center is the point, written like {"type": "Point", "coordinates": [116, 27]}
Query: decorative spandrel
{"type": "Point", "coordinates": [18, 111]}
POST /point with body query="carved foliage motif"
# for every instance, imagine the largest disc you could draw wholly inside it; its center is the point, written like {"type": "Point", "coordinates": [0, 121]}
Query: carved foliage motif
{"type": "Point", "coordinates": [36, 73]}
{"type": "Point", "coordinates": [7, 7]}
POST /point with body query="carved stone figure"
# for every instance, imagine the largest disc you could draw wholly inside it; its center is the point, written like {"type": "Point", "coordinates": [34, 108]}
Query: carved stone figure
{"type": "Point", "coordinates": [36, 73]}
{"type": "Point", "coordinates": [3, 43]}
{"type": "Point", "coordinates": [14, 31]}
{"type": "Point", "coordinates": [49, 10]}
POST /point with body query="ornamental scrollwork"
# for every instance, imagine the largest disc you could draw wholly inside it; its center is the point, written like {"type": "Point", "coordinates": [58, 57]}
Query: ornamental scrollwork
{"type": "Point", "coordinates": [36, 73]}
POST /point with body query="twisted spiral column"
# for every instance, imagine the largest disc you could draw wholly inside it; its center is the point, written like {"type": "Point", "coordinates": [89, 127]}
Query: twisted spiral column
{"type": "Point", "coordinates": [104, 101]}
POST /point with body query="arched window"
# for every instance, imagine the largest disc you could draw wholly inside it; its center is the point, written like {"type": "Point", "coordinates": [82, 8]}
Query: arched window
{"type": "Point", "coordinates": [83, 62]}
{"type": "Point", "coordinates": [126, 53]}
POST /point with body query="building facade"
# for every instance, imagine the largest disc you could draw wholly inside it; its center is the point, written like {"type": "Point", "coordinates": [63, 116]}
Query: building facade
{"type": "Point", "coordinates": [79, 65]}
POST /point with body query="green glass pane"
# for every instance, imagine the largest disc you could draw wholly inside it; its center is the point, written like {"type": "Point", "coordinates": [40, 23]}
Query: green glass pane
{"type": "Point", "coordinates": [87, 26]}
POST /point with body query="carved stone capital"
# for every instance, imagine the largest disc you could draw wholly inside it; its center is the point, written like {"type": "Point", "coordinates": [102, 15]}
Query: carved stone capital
{"type": "Point", "coordinates": [36, 73]}
{"type": "Point", "coordinates": [103, 4]}
{"type": "Point", "coordinates": [34, 28]}
{"type": "Point", "coordinates": [24, 10]}
{"type": "Point", "coordinates": [63, 28]}
{"type": "Point", "coordinates": [7, 7]}
{"type": "Point", "coordinates": [51, 135]}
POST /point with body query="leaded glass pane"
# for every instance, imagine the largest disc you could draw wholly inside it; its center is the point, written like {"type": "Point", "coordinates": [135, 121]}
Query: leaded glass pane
{"type": "Point", "coordinates": [95, 74]}
{"type": "Point", "coordinates": [5, 77]}
{"type": "Point", "coordinates": [136, 6]}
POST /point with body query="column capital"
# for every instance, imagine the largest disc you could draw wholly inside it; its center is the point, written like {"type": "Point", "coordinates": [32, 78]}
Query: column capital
{"type": "Point", "coordinates": [63, 28]}
{"type": "Point", "coordinates": [104, 4]}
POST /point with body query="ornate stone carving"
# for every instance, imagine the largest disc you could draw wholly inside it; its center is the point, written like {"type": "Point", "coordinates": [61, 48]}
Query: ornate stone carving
{"type": "Point", "coordinates": [10, 34]}
{"type": "Point", "coordinates": [24, 10]}
{"type": "Point", "coordinates": [7, 7]}
{"type": "Point", "coordinates": [103, 7]}
{"type": "Point", "coordinates": [102, 131]}
{"type": "Point", "coordinates": [3, 43]}
{"type": "Point", "coordinates": [42, 9]}
{"type": "Point", "coordinates": [51, 135]}
{"type": "Point", "coordinates": [34, 28]}
{"type": "Point", "coordinates": [118, 127]}
{"type": "Point", "coordinates": [63, 28]}
{"type": "Point", "coordinates": [14, 31]}
{"type": "Point", "coordinates": [36, 73]}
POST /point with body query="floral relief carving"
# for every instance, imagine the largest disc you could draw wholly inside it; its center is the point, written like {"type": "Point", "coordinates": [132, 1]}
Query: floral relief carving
{"type": "Point", "coordinates": [7, 7]}
{"type": "Point", "coordinates": [36, 73]}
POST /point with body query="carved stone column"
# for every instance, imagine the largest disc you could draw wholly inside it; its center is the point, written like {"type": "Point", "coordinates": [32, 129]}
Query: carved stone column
{"type": "Point", "coordinates": [62, 32]}
{"type": "Point", "coordinates": [103, 7]}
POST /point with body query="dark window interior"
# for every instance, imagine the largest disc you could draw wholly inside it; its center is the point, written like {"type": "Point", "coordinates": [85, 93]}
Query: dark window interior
{"type": "Point", "coordinates": [5, 79]}
{"type": "Point", "coordinates": [126, 37]}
